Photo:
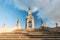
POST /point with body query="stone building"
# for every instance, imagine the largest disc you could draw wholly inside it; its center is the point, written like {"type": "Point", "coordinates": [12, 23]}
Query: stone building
{"type": "Point", "coordinates": [29, 20]}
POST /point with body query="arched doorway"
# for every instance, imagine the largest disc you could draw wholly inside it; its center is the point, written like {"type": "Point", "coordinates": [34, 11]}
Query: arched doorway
{"type": "Point", "coordinates": [30, 24]}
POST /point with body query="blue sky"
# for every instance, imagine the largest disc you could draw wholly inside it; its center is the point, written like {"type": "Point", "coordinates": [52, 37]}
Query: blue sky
{"type": "Point", "coordinates": [12, 10]}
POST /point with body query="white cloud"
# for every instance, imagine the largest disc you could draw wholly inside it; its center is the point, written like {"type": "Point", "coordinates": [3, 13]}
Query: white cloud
{"type": "Point", "coordinates": [23, 4]}
{"type": "Point", "coordinates": [51, 8]}
{"type": "Point", "coordinates": [34, 9]}
{"type": "Point", "coordinates": [54, 11]}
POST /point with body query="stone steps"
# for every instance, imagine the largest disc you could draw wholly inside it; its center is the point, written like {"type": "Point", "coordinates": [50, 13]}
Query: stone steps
{"type": "Point", "coordinates": [13, 36]}
{"type": "Point", "coordinates": [20, 39]}
{"type": "Point", "coordinates": [29, 38]}
{"type": "Point", "coordinates": [43, 36]}
{"type": "Point", "coordinates": [30, 35]}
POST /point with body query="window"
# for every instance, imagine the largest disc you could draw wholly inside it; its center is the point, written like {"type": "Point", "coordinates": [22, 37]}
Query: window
{"type": "Point", "coordinates": [30, 24]}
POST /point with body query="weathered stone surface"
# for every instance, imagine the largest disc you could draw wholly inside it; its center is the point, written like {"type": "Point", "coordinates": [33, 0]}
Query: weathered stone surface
{"type": "Point", "coordinates": [23, 34]}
